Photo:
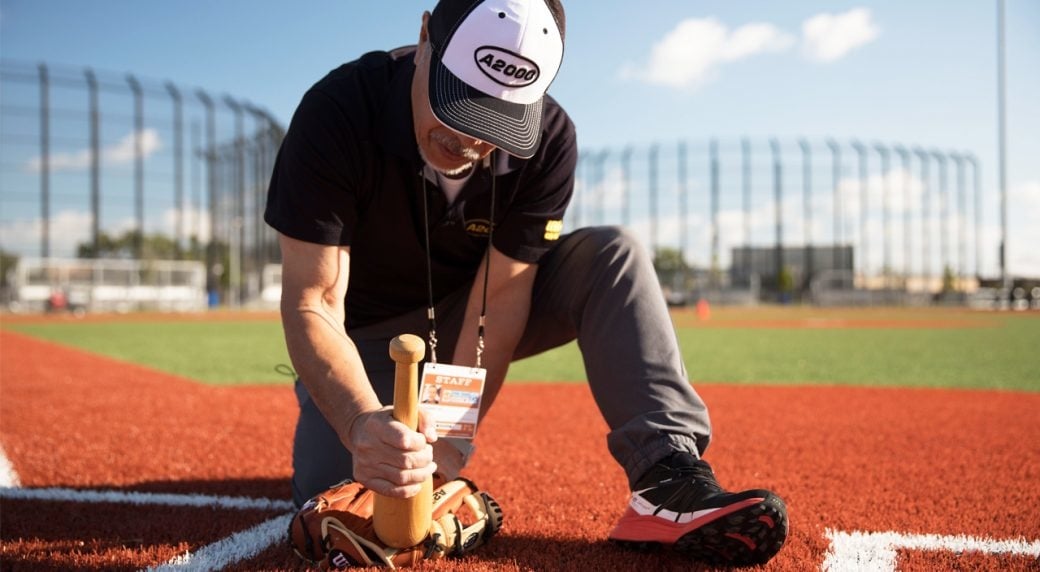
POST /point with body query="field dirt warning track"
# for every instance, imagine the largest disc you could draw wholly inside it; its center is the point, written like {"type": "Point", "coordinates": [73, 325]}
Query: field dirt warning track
{"type": "Point", "coordinates": [118, 467]}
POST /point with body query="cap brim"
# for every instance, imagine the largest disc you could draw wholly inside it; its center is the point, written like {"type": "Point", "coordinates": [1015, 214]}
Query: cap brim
{"type": "Point", "coordinates": [515, 128]}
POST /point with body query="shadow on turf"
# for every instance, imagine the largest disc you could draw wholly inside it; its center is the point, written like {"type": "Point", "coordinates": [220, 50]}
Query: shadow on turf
{"type": "Point", "coordinates": [549, 553]}
{"type": "Point", "coordinates": [526, 551]}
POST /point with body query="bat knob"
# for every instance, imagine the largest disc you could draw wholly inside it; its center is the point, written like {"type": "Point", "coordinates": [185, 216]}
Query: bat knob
{"type": "Point", "coordinates": [407, 348]}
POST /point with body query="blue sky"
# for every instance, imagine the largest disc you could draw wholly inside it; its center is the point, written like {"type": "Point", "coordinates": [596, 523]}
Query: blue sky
{"type": "Point", "coordinates": [921, 72]}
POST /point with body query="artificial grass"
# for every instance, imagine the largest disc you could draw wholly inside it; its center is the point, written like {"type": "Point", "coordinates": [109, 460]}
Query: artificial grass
{"type": "Point", "coordinates": [998, 353]}
{"type": "Point", "coordinates": [224, 352]}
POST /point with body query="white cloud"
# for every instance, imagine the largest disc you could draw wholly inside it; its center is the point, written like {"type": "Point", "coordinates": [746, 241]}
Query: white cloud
{"type": "Point", "coordinates": [119, 153]}
{"type": "Point", "coordinates": [67, 229]}
{"type": "Point", "coordinates": [830, 37]}
{"type": "Point", "coordinates": [690, 54]}
{"type": "Point", "coordinates": [195, 221]}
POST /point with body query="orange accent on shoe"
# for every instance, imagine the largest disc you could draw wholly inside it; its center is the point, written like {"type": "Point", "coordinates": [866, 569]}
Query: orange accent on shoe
{"type": "Point", "coordinates": [648, 528]}
{"type": "Point", "coordinates": [747, 541]}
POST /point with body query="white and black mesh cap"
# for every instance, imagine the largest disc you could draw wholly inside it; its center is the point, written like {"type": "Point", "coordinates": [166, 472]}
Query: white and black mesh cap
{"type": "Point", "coordinates": [493, 61]}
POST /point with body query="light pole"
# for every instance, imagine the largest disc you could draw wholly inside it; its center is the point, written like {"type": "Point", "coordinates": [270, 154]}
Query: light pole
{"type": "Point", "coordinates": [1002, 145]}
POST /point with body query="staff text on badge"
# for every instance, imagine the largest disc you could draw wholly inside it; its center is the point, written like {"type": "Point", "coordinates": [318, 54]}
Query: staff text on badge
{"type": "Point", "coordinates": [451, 394]}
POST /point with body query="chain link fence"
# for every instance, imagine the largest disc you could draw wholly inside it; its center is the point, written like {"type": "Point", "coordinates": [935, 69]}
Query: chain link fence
{"type": "Point", "coordinates": [101, 165]}
{"type": "Point", "coordinates": [784, 219]}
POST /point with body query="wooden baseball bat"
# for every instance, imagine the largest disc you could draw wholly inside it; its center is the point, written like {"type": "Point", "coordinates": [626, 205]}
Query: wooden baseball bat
{"type": "Point", "coordinates": [405, 522]}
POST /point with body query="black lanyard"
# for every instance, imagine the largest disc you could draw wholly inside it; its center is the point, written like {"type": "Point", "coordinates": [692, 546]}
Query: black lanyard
{"type": "Point", "coordinates": [430, 312]}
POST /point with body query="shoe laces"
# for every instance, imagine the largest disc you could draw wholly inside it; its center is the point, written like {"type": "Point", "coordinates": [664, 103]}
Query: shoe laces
{"type": "Point", "coordinates": [682, 488]}
{"type": "Point", "coordinates": [697, 475]}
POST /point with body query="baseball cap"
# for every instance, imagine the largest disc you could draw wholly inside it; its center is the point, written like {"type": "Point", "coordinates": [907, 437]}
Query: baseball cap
{"type": "Point", "coordinates": [493, 61]}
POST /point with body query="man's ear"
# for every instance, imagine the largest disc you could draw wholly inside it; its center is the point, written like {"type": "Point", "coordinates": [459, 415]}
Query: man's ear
{"type": "Point", "coordinates": [424, 35]}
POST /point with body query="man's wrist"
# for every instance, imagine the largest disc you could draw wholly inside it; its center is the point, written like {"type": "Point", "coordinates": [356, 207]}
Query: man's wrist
{"type": "Point", "coordinates": [352, 423]}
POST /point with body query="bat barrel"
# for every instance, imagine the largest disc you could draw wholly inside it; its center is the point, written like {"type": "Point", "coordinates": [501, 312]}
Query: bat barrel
{"type": "Point", "coordinates": [405, 522]}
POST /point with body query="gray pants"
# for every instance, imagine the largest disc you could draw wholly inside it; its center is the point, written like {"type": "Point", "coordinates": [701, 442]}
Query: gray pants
{"type": "Point", "coordinates": [598, 286]}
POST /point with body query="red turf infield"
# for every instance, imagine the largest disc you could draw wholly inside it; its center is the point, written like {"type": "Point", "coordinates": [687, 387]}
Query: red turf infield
{"type": "Point", "coordinates": [909, 462]}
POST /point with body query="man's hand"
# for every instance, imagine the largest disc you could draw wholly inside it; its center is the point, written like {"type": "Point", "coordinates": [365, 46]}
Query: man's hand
{"type": "Point", "coordinates": [389, 458]}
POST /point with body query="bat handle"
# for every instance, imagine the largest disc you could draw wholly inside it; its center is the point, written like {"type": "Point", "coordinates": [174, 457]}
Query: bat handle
{"type": "Point", "coordinates": [403, 523]}
{"type": "Point", "coordinates": [407, 351]}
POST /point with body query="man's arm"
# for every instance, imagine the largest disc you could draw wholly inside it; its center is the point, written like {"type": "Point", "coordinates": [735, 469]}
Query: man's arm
{"type": "Point", "coordinates": [508, 305]}
{"type": "Point", "coordinates": [388, 458]}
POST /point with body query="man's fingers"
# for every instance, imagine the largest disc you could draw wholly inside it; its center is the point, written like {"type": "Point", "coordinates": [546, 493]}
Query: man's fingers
{"type": "Point", "coordinates": [390, 458]}
{"type": "Point", "coordinates": [380, 430]}
{"type": "Point", "coordinates": [427, 426]}
{"type": "Point", "coordinates": [392, 482]}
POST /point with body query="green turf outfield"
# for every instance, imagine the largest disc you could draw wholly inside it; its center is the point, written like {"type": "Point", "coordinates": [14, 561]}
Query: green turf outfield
{"type": "Point", "coordinates": [218, 352]}
{"type": "Point", "coordinates": [967, 351]}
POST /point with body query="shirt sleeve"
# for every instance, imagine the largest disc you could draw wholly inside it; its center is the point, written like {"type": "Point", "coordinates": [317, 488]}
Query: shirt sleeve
{"type": "Point", "coordinates": [313, 192]}
{"type": "Point", "coordinates": [534, 221]}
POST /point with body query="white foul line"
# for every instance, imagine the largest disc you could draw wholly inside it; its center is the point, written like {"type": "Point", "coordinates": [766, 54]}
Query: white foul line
{"type": "Point", "coordinates": [140, 498]}
{"type": "Point", "coordinates": [8, 478]}
{"type": "Point", "coordinates": [877, 551]}
{"type": "Point", "coordinates": [237, 547]}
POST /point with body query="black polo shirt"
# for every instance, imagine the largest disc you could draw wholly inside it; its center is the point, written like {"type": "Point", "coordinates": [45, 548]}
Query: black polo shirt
{"type": "Point", "coordinates": [349, 173]}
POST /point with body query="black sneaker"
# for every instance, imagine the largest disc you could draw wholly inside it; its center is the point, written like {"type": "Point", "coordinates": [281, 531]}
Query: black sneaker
{"type": "Point", "coordinates": [679, 503]}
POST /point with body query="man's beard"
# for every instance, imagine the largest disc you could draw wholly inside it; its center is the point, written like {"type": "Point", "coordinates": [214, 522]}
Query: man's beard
{"type": "Point", "coordinates": [456, 148]}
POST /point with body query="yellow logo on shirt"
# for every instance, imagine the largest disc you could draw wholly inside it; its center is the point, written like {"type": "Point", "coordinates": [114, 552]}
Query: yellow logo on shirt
{"type": "Point", "coordinates": [478, 227]}
{"type": "Point", "coordinates": [553, 228]}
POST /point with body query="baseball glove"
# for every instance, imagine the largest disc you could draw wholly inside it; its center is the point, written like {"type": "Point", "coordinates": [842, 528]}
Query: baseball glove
{"type": "Point", "coordinates": [334, 529]}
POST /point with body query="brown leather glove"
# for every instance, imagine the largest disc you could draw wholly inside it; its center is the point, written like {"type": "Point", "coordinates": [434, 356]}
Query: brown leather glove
{"type": "Point", "coordinates": [334, 529]}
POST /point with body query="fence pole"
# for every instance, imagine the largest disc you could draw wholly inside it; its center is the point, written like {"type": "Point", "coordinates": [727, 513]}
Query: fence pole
{"type": "Point", "coordinates": [714, 159]}
{"type": "Point", "coordinates": [683, 198]}
{"type": "Point", "coordinates": [626, 182]}
{"type": "Point", "coordinates": [95, 161]}
{"type": "Point", "coordinates": [745, 162]}
{"type": "Point", "coordinates": [778, 190]}
{"type": "Point", "coordinates": [886, 233]}
{"type": "Point", "coordinates": [196, 183]}
{"type": "Point", "coordinates": [926, 218]}
{"type": "Point", "coordinates": [178, 167]}
{"type": "Point", "coordinates": [944, 215]}
{"type": "Point", "coordinates": [837, 255]}
{"type": "Point", "coordinates": [904, 157]}
{"type": "Point", "coordinates": [135, 87]}
{"type": "Point", "coordinates": [958, 161]}
{"type": "Point", "coordinates": [238, 224]}
{"type": "Point", "coordinates": [978, 213]}
{"type": "Point", "coordinates": [45, 163]}
{"type": "Point", "coordinates": [212, 255]}
{"type": "Point", "coordinates": [258, 187]}
{"type": "Point", "coordinates": [807, 206]}
{"type": "Point", "coordinates": [861, 153]}
{"type": "Point", "coordinates": [1005, 277]}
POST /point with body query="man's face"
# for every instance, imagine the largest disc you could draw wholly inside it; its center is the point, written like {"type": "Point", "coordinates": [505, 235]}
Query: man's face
{"type": "Point", "coordinates": [444, 149]}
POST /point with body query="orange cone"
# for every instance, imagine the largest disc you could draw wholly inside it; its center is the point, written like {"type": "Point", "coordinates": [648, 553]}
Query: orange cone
{"type": "Point", "coordinates": [703, 310]}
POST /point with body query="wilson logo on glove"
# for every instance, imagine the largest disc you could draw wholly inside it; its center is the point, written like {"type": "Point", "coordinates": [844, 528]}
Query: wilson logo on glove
{"type": "Point", "coordinates": [338, 560]}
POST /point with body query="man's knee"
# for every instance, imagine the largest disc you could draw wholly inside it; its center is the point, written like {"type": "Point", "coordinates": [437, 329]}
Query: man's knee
{"type": "Point", "coordinates": [611, 241]}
